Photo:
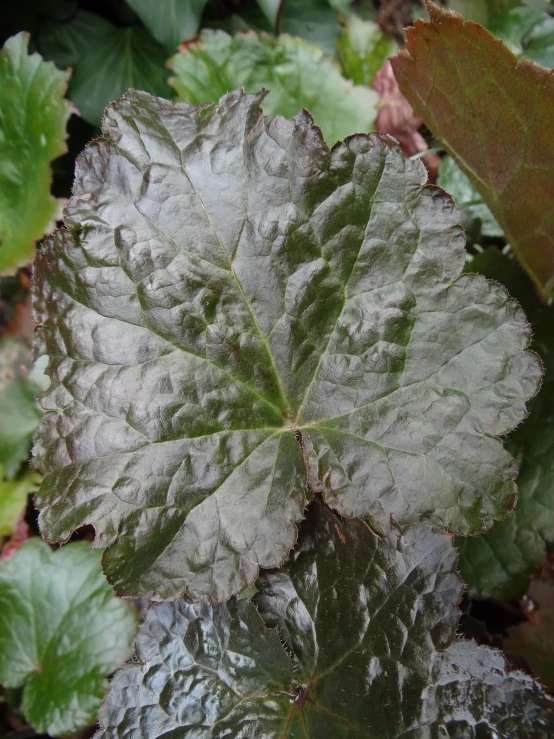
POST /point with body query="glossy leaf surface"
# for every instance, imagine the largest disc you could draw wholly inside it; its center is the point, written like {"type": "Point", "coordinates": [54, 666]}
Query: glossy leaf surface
{"type": "Point", "coordinates": [236, 312]}
{"type": "Point", "coordinates": [19, 411]}
{"type": "Point", "coordinates": [363, 49]}
{"type": "Point", "coordinates": [297, 74]}
{"type": "Point", "coordinates": [61, 632]}
{"type": "Point", "coordinates": [501, 562]}
{"type": "Point", "coordinates": [33, 117]}
{"type": "Point", "coordinates": [511, 165]}
{"type": "Point", "coordinates": [106, 61]}
{"type": "Point", "coordinates": [170, 21]}
{"type": "Point", "coordinates": [364, 621]}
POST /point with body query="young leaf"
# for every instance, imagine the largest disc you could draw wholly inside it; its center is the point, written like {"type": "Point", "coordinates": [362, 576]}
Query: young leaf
{"type": "Point", "coordinates": [13, 498]}
{"type": "Point", "coordinates": [236, 312]}
{"type": "Point", "coordinates": [298, 75]}
{"type": "Point", "coordinates": [33, 117]}
{"type": "Point", "coordinates": [61, 633]}
{"type": "Point", "coordinates": [364, 621]}
{"type": "Point", "coordinates": [106, 61]}
{"type": "Point", "coordinates": [19, 412]}
{"type": "Point", "coordinates": [170, 21]}
{"type": "Point", "coordinates": [511, 165]}
{"type": "Point", "coordinates": [501, 562]}
{"type": "Point", "coordinates": [363, 49]}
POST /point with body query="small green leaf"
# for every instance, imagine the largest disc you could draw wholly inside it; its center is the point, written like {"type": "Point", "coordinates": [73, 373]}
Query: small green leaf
{"type": "Point", "coordinates": [61, 633]}
{"type": "Point", "coordinates": [501, 562]}
{"type": "Point", "coordinates": [170, 21]}
{"type": "Point", "coordinates": [236, 313]}
{"type": "Point", "coordinates": [33, 117]}
{"type": "Point", "coordinates": [19, 411]}
{"type": "Point", "coordinates": [106, 61]}
{"type": "Point", "coordinates": [270, 8]}
{"type": "Point", "coordinates": [365, 622]}
{"type": "Point", "coordinates": [454, 181]}
{"type": "Point", "coordinates": [363, 49]}
{"type": "Point", "coordinates": [485, 12]}
{"type": "Point", "coordinates": [297, 74]}
{"type": "Point", "coordinates": [314, 20]}
{"type": "Point", "coordinates": [13, 498]}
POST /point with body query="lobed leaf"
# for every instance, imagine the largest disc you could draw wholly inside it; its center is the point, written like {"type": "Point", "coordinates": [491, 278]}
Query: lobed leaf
{"type": "Point", "coordinates": [33, 118]}
{"type": "Point", "coordinates": [61, 633]}
{"type": "Point", "coordinates": [236, 313]}
{"type": "Point", "coordinates": [106, 60]}
{"type": "Point", "coordinates": [501, 562]}
{"type": "Point", "coordinates": [366, 624]}
{"type": "Point", "coordinates": [511, 165]}
{"type": "Point", "coordinates": [298, 74]}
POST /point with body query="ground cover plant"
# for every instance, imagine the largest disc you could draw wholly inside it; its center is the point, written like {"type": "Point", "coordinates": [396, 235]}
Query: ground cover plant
{"type": "Point", "coordinates": [288, 428]}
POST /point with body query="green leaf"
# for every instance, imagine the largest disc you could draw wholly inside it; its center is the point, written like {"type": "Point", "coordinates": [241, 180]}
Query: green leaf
{"type": "Point", "coordinates": [501, 562]}
{"type": "Point", "coordinates": [106, 61]}
{"type": "Point", "coordinates": [363, 49]}
{"type": "Point", "coordinates": [297, 74]}
{"type": "Point", "coordinates": [61, 633]}
{"type": "Point", "coordinates": [493, 121]}
{"type": "Point", "coordinates": [13, 498]}
{"type": "Point", "coordinates": [466, 196]}
{"type": "Point", "coordinates": [528, 33]}
{"type": "Point", "coordinates": [170, 21]}
{"type": "Point", "coordinates": [236, 312]}
{"type": "Point", "coordinates": [270, 8]}
{"type": "Point", "coordinates": [486, 12]}
{"type": "Point", "coordinates": [365, 622]}
{"type": "Point", "coordinates": [33, 117]}
{"type": "Point", "coordinates": [19, 411]}
{"type": "Point", "coordinates": [314, 20]}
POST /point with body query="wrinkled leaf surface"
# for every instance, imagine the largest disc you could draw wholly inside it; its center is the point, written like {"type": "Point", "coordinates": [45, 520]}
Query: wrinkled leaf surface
{"type": "Point", "coordinates": [364, 621]}
{"type": "Point", "coordinates": [501, 562]}
{"type": "Point", "coordinates": [234, 313]}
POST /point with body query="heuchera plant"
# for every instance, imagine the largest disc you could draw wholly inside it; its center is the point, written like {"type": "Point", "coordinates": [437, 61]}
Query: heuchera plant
{"type": "Point", "coordinates": [240, 321]}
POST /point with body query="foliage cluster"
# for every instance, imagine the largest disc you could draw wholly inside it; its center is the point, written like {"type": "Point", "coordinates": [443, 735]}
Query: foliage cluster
{"type": "Point", "coordinates": [298, 394]}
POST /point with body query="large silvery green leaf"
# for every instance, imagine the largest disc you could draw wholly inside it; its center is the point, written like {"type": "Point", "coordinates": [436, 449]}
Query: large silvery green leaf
{"type": "Point", "coordinates": [170, 21]}
{"type": "Point", "coordinates": [297, 74]}
{"type": "Point", "coordinates": [501, 562]}
{"type": "Point", "coordinates": [364, 622]}
{"type": "Point", "coordinates": [33, 117]}
{"type": "Point", "coordinates": [19, 411]}
{"type": "Point", "coordinates": [236, 312]}
{"type": "Point", "coordinates": [61, 632]}
{"type": "Point", "coordinates": [106, 61]}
